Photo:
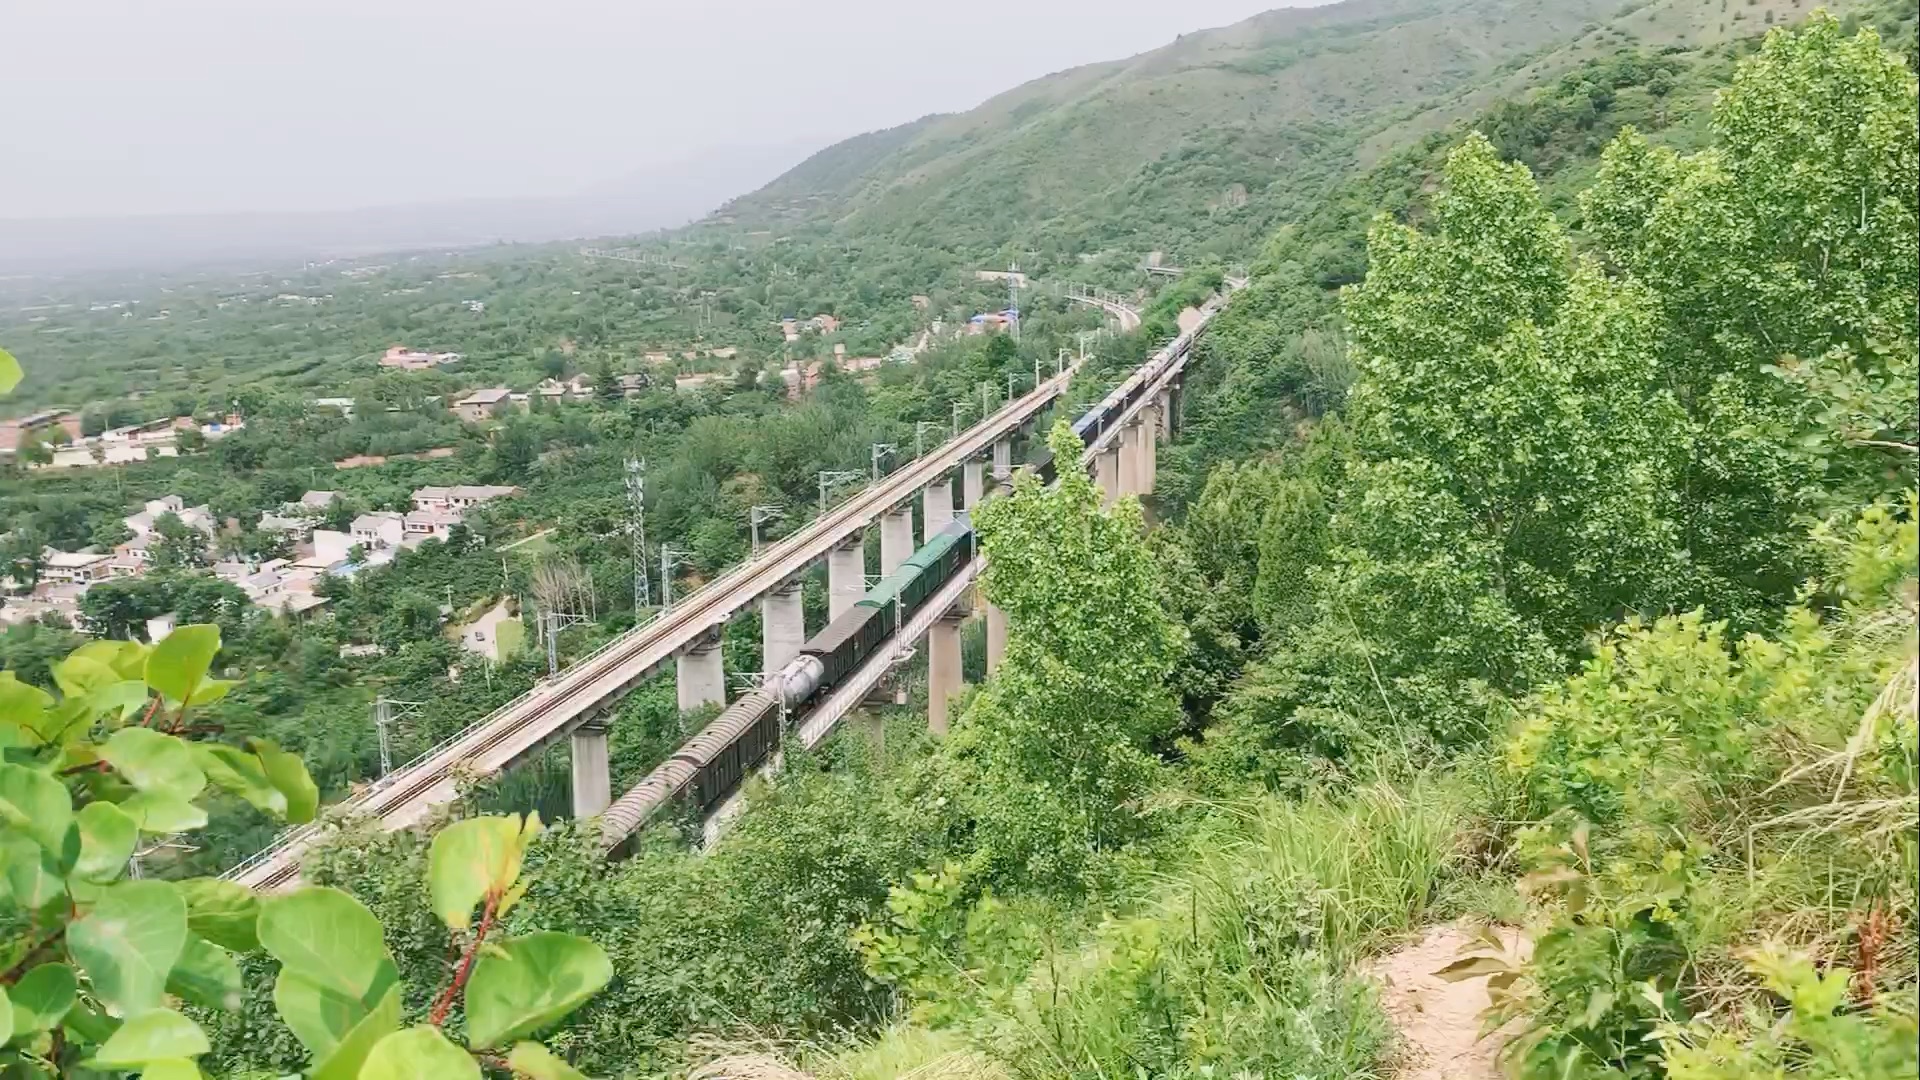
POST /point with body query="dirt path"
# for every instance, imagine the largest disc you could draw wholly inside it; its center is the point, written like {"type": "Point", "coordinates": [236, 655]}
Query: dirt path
{"type": "Point", "coordinates": [1439, 1020]}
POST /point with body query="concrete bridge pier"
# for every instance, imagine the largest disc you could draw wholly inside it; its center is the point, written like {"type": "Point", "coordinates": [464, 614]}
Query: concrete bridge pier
{"type": "Point", "coordinates": [896, 538]}
{"type": "Point", "coordinates": [974, 482]}
{"type": "Point", "coordinates": [701, 678]}
{"type": "Point", "coordinates": [592, 779]}
{"type": "Point", "coordinates": [943, 668]}
{"type": "Point", "coordinates": [783, 625]}
{"type": "Point", "coordinates": [846, 574]}
{"type": "Point", "coordinates": [1163, 412]}
{"type": "Point", "coordinates": [1133, 448]}
{"type": "Point", "coordinates": [1106, 473]}
{"type": "Point", "coordinates": [996, 637]}
{"type": "Point", "coordinates": [937, 508]}
{"type": "Point", "coordinates": [1003, 458]}
{"type": "Point", "coordinates": [1149, 445]}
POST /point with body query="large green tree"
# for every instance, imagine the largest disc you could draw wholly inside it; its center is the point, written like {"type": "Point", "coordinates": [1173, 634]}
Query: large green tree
{"type": "Point", "coordinates": [1054, 749]}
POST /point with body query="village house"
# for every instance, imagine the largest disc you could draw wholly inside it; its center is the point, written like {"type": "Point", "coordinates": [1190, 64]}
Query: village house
{"type": "Point", "coordinates": [405, 359]}
{"type": "Point", "coordinates": [482, 405]}
{"type": "Point", "coordinates": [75, 567]}
{"type": "Point", "coordinates": [379, 529]}
{"type": "Point", "coordinates": [193, 517]}
{"type": "Point", "coordinates": [460, 497]}
{"type": "Point", "coordinates": [421, 524]}
{"type": "Point", "coordinates": [574, 389]}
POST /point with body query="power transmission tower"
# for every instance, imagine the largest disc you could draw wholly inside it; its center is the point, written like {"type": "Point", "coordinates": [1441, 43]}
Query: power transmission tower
{"type": "Point", "coordinates": [637, 527]}
{"type": "Point", "coordinates": [386, 713]}
{"type": "Point", "coordinates": [1013, 297]}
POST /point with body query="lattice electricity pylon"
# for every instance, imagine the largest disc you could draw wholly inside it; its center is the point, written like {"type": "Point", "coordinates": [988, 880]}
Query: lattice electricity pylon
{"type": "Point", "coordinates": [637, 528]}
{"type": "Point", "coordinates": [386, 713]}
{"type": "Point", "coordinates": [831, 478]}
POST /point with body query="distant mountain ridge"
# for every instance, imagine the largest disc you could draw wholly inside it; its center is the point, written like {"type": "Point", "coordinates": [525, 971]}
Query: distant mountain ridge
{"type": "Point", "coordinates": [659, 198]}
{"type": "Point", "coordinates": [1204, 145]}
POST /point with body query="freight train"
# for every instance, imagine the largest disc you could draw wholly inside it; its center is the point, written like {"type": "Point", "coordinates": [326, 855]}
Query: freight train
{"type": "Point", "coordinates": [711, 764]}
{"type": "Point", "coordinates": [707, 767]}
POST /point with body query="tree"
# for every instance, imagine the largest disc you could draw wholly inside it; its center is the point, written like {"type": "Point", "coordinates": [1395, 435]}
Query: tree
{"type": "Point", "coordinates": [181, 546]}
{"type": "Point", "coordinates": [120, 609]}
{"type": "Point", "coordinates": [22, 554]}
{"type": "Point", "coordinates": [1784, 263]}
{"type": "Point", "coordinates": [1054, 749]}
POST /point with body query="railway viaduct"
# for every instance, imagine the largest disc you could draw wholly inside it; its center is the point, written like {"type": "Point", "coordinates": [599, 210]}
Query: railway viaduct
{"type": "Point", "coordinates": [959, 474]}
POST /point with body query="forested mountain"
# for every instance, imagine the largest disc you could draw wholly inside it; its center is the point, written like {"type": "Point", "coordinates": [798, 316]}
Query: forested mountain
{"type": "Point", "coordinates": [1200, 147]}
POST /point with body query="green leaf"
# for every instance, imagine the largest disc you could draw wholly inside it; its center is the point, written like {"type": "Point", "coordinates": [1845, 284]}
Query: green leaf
{"type": "Point", "coordinates": [89, 1023]}
{"type": "Point", "coordinates": [42, 997]}
{"type": "Point", "coordinates": [32, 876]}
{"type": "Point", "coordinates": [418, 1052]}
{"type": "Point", "coordinates": [122, 700]}
{"type": "Point", "coordinates": [530, 983]}
{"type": "Point", "coordinates": [163, 813]}
{"type": "Point", "coordinates": [206, 975]}
{"type": "Point", "coordinates": [6, 1018]}
{"type": "Point", "coordinates": [350, 1051]}
{"type": "Point", "coordinates": [10, 373]}
{"type": "Point", "coordinates": [289, 774]}
{"type": "Point", "coordinates": [37, 805]}
{"type": "Point", "coordinates": [107, 838]}
{"type": "Point", "coordinates": [223, 912]}
{"type": "Point", "coordinates": [212, 690]}
{"type": "Point", "coordinates": [79, 676]}
{"type": "Point", "coordinates": [154, 761]}
{"type": "Point", "coordinates": [23, 706]}
{"type": "Point", "coordinates": [129, 942]}
{"type": "Point", "coordinates": [127, 658]}
{"type": "Point", "coordinates": [536, 1062]}
{"type": "Point", "coordinates": [153, 1035]}
{"type": "Point", "coordinates": [172, 1069]}
{"type": "Point", "coordinates": [180, 660]}
{"type": "Point", "coordinates": [473, 859]}
{"type": "Point", "coordinates": [242, 774]}
{"type": "Point", "coordinates": [328, 936]}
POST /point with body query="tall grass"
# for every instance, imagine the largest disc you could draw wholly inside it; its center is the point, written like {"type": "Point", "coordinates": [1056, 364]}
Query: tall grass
{"type": "Point", "coordinates": [1239, 964]}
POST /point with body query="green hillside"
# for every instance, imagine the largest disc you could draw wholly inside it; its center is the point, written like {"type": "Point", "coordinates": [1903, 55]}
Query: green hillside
{"type": "Point", "coordinates": [1202, 146]}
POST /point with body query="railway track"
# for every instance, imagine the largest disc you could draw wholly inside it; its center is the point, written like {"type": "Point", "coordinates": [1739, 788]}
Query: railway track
{"type": "Point", "coordinates": [553, 708]}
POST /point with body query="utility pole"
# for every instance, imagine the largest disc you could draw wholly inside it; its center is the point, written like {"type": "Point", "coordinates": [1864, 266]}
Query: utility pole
{"type": "Point", "coordinates": [757, 516]}
{"type": "Point", "coordinates": [919, 431]}
{"type": "Point", "coordinates": [1011, 375]}
{"type": "Point", "coordinates": [986, 396]}
{"type": "Point", "coordinates": [957, 406]}
{"type": "Point", "coordinates": [669, 558]}
{"type": "Point", "coordinates": [830, 478]}
{"type": "Point", "coordinates": [387, 712]}
{"type": "Point", "coordinates": [637, 527]}
{"type": "Point", "coordinates": [880, 450]}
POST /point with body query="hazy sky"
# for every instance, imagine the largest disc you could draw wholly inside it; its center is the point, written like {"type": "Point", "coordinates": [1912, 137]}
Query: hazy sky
{"type": "Point", "coordinates": [171, 106]}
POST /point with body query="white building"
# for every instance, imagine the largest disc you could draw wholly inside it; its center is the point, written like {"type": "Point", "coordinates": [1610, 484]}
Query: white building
{"type": "Point", "coordinates": [380, 529]}
{"type": "Point", "coordinates": [75, 567]}
{"type": "Point", "coordinates": [459, 498]}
